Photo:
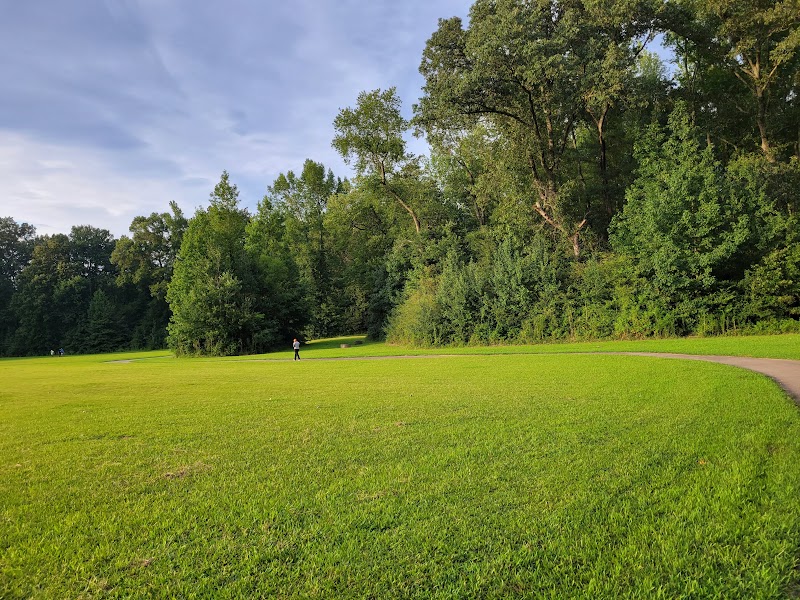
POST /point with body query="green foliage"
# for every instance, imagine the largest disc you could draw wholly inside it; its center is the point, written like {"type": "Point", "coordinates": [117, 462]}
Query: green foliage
{"type": "Point", "coordinates": [303, 201]}
{"type": "Point", "coordinates": [772, 289]}
{"type": "Point", "coordinates": [458, 298]}
{"type": "Point", "coordinates": [145, 262]}
{"type": "Point", "coordinates": [517, 294]}
{"type": "Point", "coordinates": [693, 228]}
{"type": "Point", "coordinates": [680, 225]}
{"type": "Point", "coordinates": [38, 300]}
{"type": "Point", "coordinates": [371, 136]}
{"type": "Point", "coordinates": [280, 297]}
{"type": "Point", "coordinates": [414, 321]}
{"type": "Point", "coordinates": [16, 246]}
{"type": "Point", "coordinates": [575, 189]}
{"type": "Point", "coordinates": [148, 256]}
{"type": "Point", "coordinates": [205, 277]}
{"type": "Point", "coordinates": [54, 291]}
{"type": "Point", "coordinates": [229, 295]}
{"type": "Point", "coordinates": [103, 331]}
{"type": "Point", "coordinates": [740, 65]}
{"type": "Point", "coordinates": [536, 72]}
{"type": "Point", "coordinates": [461, 162]}
{"type": "Point", "coordinates": [236, 287]}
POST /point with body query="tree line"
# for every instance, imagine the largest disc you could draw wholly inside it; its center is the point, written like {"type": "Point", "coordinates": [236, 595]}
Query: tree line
{"type": "Point", "coordinates": [573, 189]}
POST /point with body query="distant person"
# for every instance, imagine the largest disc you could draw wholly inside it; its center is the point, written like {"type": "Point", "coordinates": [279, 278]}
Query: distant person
{"type": "Point", "coordinates": [296, 346]}
{"type": "Point", "coordinates": [52, 352]}
{"type": "Point", "coordinates": [61, 352]}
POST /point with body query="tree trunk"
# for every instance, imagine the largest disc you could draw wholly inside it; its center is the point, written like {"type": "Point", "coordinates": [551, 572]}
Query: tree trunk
{"type": "Point", "coordinates": [797, 144]}
{"type": "Point", "coordinates": [761, 119]}
{"type": "Point", "coordinates": [601, 140]}
{"type": "Point", "coordinates": [408, 209]}
{"type": "Point", "coordinates": [573, 237]}
{"type": "Point", "coordinates": [397, 197]}
{"type": "Point", "coordinates": [576, 248]}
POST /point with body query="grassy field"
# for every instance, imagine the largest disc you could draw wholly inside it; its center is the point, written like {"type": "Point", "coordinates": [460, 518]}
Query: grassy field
{"type": "Point", "coordinates": [495, 476]}
{"type": "Point", "coordinates": [762, 346]}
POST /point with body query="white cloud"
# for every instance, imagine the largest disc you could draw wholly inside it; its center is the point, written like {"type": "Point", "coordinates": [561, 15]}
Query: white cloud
{"type": "Point", "coordinates": [54, 186]}
{"type": "Point", "coordinates": [122, 106]}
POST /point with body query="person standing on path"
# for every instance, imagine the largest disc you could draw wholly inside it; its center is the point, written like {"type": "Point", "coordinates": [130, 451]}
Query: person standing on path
{"type": "Point", "coordinates": [296, 346]}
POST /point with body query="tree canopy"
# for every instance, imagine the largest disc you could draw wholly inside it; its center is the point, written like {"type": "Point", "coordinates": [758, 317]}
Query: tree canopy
{"type": "Point", "coordinates": [574, 187]}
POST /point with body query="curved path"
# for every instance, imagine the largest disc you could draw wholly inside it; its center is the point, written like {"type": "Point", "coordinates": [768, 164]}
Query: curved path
{"type": "Point", "coordinates": [785, 372]}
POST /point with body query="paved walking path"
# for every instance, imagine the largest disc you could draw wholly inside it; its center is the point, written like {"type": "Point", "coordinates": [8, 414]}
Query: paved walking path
{"type": "Point", "coordinates": [786, 373]}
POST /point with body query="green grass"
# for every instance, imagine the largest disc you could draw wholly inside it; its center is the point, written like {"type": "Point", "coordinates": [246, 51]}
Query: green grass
{"type": "Point", "coordinates": [548, 476]}
{"type": "Point", "coordinates": [762, 346]}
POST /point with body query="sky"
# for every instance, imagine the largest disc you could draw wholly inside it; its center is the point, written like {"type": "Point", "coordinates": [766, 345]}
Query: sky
{"type": "Point", "coordinates": [112, 108]}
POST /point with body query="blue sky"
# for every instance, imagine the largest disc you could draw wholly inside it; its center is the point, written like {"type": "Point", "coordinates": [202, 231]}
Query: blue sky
{"type": "Point", "coordinates": [110, 109]}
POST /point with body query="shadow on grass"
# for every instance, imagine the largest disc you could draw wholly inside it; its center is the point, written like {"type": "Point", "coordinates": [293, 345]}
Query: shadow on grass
{"type": "Point", "coordinates": [331, 343]}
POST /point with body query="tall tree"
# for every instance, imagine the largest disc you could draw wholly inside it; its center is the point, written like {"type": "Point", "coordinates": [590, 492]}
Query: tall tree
{"type": "Point", "coordinates": [211, 301]}
{"type": "Point", "coordinates": [515, 65]}
{"type": "Point", "coordinates": [103, 330]}
{"type": "Point", "coordinates": [363, 228]}
{"type": "Point", "coordinates": [281, 298]}
{"type": "Point", "coordinates": [683, 224]}
{"type": "Point", "coordinates": [90, 252]}
{"type": "Point", "coordinates": [56, 288]}
{"type": "Point", "coordinates": [618, 33]}
{"type": "Point", "coordinates": [16, 246]}
{"type": "Point", "coordinates": [536, 70]}
{"type": "Point", "coordinates": [145, 263]}
{"type": "Point", "coordinates": [761, 38]}
{"type": "Point", "coordinates": [305, 199]}
{"type": "Point", "coordinates": [44, 303]}
{"type": "Point", "coordinates": [371, 136]}
{"type": "Point", "coordinates": [462, 162]}
{"type": "Point", "coordinates": [756, 41]}
{"type": "Point", "coordinates": [148, 256]}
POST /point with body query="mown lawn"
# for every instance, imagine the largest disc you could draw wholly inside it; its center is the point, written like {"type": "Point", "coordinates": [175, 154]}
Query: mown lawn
{"type": "Point", "coordinates": [761, 346]}
{"type": "Point", "coordinates": [541, 476]}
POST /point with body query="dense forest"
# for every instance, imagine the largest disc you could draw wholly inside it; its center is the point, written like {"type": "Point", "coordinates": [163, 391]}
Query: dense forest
{"type": "Point", "coordinates": [575, 188]}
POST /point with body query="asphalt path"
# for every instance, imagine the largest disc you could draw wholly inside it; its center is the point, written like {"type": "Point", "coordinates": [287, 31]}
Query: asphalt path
{"type": "Point", "coordinates": [786, 373]}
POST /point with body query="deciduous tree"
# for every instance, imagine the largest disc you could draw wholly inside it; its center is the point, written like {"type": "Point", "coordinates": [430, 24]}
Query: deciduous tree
{"type": "Point", "coordinates": [371, 137]}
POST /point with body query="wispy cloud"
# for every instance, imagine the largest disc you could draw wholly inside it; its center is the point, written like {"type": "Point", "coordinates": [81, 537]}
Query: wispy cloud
{"type": "Point", "coordinates": [114, 108]}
